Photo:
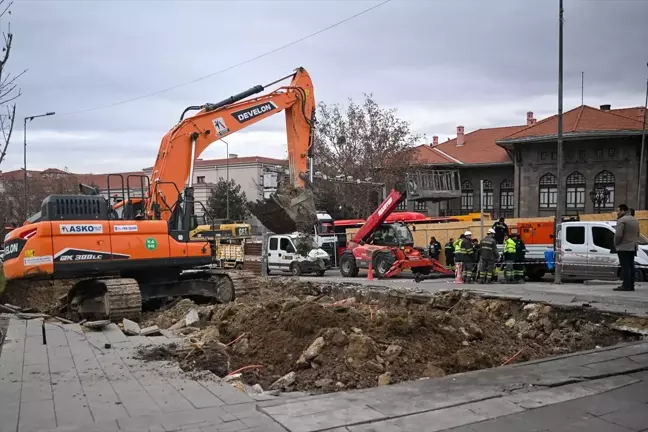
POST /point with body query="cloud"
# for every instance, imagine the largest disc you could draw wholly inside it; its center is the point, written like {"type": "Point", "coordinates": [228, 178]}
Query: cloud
{"type": "Point", "coordinates": [440, 63]}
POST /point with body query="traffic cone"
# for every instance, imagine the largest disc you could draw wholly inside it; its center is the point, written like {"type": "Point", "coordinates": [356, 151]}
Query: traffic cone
{"type": "Point", "coordinates": [458, 273]}
{"type": "Point", "coordinates": [370, 274]}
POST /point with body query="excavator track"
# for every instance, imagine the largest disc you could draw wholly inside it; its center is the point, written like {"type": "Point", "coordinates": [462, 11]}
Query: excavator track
{"type": "Point", "coordinates": [123, 299]}
{"type": "Point", "coordinates": [107, 298]}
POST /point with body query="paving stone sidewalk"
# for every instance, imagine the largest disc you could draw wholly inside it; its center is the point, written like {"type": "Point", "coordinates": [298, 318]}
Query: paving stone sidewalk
{"type": "Point", "coordinates": [74, 383]}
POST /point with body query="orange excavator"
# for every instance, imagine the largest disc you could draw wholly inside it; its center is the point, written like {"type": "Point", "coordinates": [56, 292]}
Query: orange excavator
{"type": "Point", "coordinates": [117, 257]}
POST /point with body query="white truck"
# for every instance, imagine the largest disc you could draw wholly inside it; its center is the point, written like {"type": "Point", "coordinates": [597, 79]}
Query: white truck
{"type": "Point", "coordinates": [587, 252]}
{"type": "Point", "coordinates": [283, 256]}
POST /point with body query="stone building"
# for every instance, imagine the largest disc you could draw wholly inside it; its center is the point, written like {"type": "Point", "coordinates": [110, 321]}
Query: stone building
{"type": "Point", "coordinates": [518, 164]}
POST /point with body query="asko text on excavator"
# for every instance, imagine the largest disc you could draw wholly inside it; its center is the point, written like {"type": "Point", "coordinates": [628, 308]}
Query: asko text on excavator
{"type": "Point", "coordinates": [115, 256]}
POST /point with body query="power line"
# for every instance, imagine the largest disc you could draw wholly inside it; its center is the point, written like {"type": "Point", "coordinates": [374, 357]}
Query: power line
{"type": "Point", "coordinates": [265, 54]}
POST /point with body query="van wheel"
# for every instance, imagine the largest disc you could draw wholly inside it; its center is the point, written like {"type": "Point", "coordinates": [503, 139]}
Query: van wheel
{"type": "Point", "coordinates": [295, 269]}
{"type": "Point", "coordinates": [321, 272]}
{"type": "Point", "coordinates": [238, 266]}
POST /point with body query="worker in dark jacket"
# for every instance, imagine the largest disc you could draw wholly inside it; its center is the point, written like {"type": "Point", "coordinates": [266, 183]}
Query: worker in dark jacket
{"type": "Point", "coordinates": [501, 230]}
{"type": "Point", "coordinates": [520, 254]}
{"type": "Point", "coordinates": [488, 257]}
{"type": "Point", "coordinates": [449, 254]}
{"type": "Point", "coordinates": [434, 248]}
{"type": "Point", "coordinates": [468, 257]}
{"type": "Point", "coordinates": [626, 243]}
{"type": "Point", "coordinates": [509, 258]}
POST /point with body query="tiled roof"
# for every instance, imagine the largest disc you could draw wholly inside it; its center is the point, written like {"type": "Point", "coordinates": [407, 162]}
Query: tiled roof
{"type": "Point", "coordinates": [583, 119]}
{"type": "Point", "coordinates": [636, 113]}
{"type": "Point", "coordinates": [425, 154]}
{"type": "Point", "coordinates": [100, 180]}
{"type": "Point", "coordinates": [479, 146]}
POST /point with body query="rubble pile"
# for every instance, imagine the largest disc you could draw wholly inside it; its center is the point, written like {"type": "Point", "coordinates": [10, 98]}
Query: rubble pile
{"type": "Point", "coordinates": [287, 335]}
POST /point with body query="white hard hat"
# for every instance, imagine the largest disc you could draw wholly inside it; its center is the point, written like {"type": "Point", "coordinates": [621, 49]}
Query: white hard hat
{"type": "Point", "coordinates": [467, 233]}
{"type": "Point", "coordinates": [491, 231]}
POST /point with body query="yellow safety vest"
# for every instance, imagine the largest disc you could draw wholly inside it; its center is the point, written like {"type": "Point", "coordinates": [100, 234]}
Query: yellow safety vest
{"type": "Point", "coordinates": [509, 246]}
{"type": "Point", "coordinates": [457, 245]}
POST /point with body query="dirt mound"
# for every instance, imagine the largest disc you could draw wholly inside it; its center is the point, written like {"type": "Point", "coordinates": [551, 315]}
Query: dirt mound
{"type": "Point", "coordinates": [320, 343]}
{"type": "Point", "coordinates": [42, 296]}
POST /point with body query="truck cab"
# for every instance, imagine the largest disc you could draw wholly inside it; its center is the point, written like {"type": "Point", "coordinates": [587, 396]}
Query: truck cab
{"type": "Point", "coordinates": [283, 257]}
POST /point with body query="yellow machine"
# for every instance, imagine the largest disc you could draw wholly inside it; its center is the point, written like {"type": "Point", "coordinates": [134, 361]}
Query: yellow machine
{"type": "Point", "coordinates": [229, 241]}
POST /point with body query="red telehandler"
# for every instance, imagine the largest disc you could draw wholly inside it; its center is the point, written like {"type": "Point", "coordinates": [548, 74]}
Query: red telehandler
{"type": "Point", "coordinates": [388, 247]}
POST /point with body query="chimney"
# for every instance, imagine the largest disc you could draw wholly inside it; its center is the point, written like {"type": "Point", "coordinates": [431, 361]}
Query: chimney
{"type": "Point", "coordinates": [460, 136]}
{"type": "Point", "coordinates": [435, 141]}
{"type": "Point", "coordinates": [530, 119]}
{"type": "Point", "coordinates": [606, 107]}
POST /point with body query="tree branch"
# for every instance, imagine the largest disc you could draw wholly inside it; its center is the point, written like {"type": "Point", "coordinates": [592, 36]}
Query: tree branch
{"type": "Point", "coordinates": [7, 138]}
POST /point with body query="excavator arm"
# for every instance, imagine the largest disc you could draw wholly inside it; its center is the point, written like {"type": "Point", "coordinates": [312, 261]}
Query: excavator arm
{"type": "Point", "coordinates": [183, 144]}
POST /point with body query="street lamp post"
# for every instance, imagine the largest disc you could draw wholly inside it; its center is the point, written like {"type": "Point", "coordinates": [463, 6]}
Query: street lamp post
{"type": "Point", "coordinates": [227, 213]}
{"type": "Point", "coordinates": [30, 118]}
{"type": "Point", "coordinates": [599, 197]}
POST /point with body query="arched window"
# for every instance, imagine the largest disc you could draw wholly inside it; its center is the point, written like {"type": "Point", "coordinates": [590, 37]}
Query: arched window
{"type": "Point", "coordinates": [467, 194]}
{"type": "Point", "coordinates": [548, 191]}
{"type": "Point", "coordinates": [487, 202]}
{"type": "Point", "coordinates": [506, 195]}
{"type": "Point", "coordinates": [605, 180]}
{"type": "Point", "coordinates": [576, 191]}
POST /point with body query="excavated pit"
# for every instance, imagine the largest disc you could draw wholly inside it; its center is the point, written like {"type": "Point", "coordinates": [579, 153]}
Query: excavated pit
{"type": "Point", "coordinates": [325, 337]}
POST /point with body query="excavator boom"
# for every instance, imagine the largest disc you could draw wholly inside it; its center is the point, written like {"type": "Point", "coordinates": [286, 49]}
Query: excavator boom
{"type": "Point", "coordinates": [293, 204]}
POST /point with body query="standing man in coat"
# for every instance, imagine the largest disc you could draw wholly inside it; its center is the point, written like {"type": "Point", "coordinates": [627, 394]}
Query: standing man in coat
{"type": "Point", "coordinates": [434, 248]}
{"type": "Point", "coordinates": [510, 248]}
{"type": "Point", "coordinates": [489, 255]}
{"type": "Point", "coordinates": [468, 257]}
{"type": "Point", "coordinates": [626, 242]}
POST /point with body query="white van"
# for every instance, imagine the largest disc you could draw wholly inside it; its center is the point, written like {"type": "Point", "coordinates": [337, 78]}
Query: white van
{"type": "Point", "coordinates": [587, 251]}
{"type": "Point", "coordinates": [283, 257]}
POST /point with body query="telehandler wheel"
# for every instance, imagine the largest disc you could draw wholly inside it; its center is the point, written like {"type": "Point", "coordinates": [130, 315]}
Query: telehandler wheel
{"type": "Point", "coordinates": [348, 266]}
{"type": "Point", "coordinates": [295, 269]}
{"type": "Point", "coordinates": [382, 263]}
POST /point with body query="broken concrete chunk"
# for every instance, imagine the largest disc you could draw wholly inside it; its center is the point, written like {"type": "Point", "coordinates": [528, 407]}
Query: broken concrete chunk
{"type": "Point", "coordinates": [433, 371]}
{"type": "Point", "coordinates": [242, 346]}
{"type": "Point", "coordinates": [531, 307]}
{"type": "Point", "coordinates": [393, 351]}
{"type": "Point", "coordinates": [314, 349]}
{"type": "Point", "coordinates": [131, 328]}
{"type": "Point", "coordinates": [189, 319]}
{"type": "Point", "coordinates": [96, 324]}
{"type": "Point", "coordinates": [324, 383]}
{"type": "Point", "coordinates": [284, 382]}
{"type": "Point", "coordinates": [384, 379]}
{"type": "Point", "coordinates": [150, 331]}
{"type": "Point", "coordinates": [510, 323]}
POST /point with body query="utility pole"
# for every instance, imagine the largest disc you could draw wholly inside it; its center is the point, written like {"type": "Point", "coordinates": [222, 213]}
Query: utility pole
{"type": "Point", "coordinates": [560, 198]}
{"type": "Point", "coordinates": [582, 88]}
{"type": "Point", "coordinates": [643, 148]}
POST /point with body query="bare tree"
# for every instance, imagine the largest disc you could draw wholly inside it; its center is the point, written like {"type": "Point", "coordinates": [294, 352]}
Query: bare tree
{"type": "Point", "coordinates": [9, 90]}
{"type": "Point", "coordinates": [364, 143]}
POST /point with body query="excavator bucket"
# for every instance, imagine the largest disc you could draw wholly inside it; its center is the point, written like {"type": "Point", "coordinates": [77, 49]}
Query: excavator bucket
{"type": "Point", "coordinates": [287, 211]}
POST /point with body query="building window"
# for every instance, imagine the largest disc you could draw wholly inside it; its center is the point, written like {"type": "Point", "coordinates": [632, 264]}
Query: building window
{"type": "Point", "coordinates": [611, 152]}
{"type": "Point", "coordinates": [543, 155]}
{"type": "Point", "coordinates": [420, 206]}
{"type": "Point", "coordinates": [200, 179]}
{"type": "Point", "coordinates": [402, 206]}
{"type": "Point", "coordinates": [582, 155]}
{"type": "Point", "coordinates": [506, 195]}
{"type": "Point", "coordinates": [467, 194]}
{"type": "Point", "coordinates": [599, 153]}
{"type": "Point", "coordinates": [605, 179]}
{"type": "Point", "coordinates": [554, 155]}
{"type": "Point", "coordinates": [487, 201]}
{"type": "Point", "coordinates": [548, 191]}
{"type": "Point", "coordinates": [576, 191]}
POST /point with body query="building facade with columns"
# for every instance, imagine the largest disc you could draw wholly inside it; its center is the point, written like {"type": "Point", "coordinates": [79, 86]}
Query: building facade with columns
{"type": "Point", "coordinates": [518, 165]}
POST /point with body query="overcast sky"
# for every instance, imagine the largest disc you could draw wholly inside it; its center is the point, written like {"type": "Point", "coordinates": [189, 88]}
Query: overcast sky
{"type": "Point", "coordinates": [441, 63]}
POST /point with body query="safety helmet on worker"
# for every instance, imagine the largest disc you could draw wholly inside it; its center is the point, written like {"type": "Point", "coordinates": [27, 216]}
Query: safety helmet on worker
{"type": "Point", "coordinates": [491, 231]}
{"type": "Point", "coordinates": [467, 233]}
